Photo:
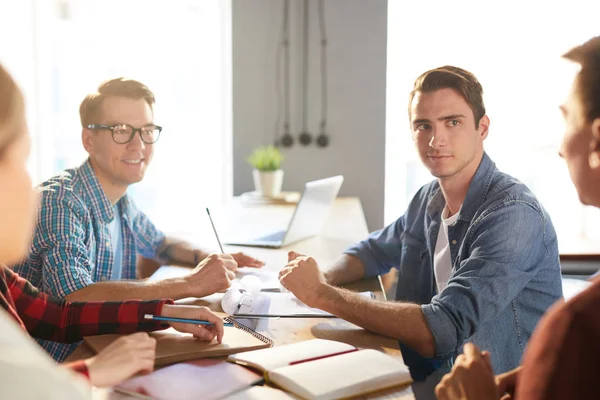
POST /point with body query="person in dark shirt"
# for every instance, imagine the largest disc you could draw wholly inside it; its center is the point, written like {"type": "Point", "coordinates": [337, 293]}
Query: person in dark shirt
{"type": "Point", "coordinates": [561, 360]}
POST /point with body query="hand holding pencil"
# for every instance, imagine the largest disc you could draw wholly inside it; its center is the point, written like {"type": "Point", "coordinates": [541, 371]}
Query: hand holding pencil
{"type": "Point", "coordinates": [205, 332]}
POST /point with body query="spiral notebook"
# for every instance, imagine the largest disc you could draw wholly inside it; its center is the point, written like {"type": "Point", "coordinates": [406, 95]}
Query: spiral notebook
{"type": "Point", "coordinates": [173, 347]}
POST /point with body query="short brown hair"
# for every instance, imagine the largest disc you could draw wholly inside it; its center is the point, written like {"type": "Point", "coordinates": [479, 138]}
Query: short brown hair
{"type": "Point", "coordinates": [588, 77]}
{"type": "Point", "coordinates": [92, 103]}
{"type": "Point", "coordinates": [12, 110]}
{"type": "Point", "coordinates": [449, 77]}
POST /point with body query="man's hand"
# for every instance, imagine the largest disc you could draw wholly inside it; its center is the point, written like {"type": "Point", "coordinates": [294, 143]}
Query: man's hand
{"type": "Point", "coordinates": [292, 255]}
{"type": "Point", "coordinates": [203, 332]}
{"type": "Point", "coordinates": [211, 275]}
{"type": "Point", "coordinates": [244, 260]}
{"type": "Point", "coordinates": [472, 377]}
{"type": "Point", "coordinates": [303, 278]}
{"type": "Point", "coordinates": [122, 359]}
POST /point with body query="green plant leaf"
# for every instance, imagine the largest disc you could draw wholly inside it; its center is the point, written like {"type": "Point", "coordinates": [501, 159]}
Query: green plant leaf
{"type": "Point", "coordinates": [266, 158]}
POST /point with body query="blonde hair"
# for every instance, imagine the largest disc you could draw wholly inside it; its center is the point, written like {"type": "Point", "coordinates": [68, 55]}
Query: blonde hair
{"type": "Point", "coordinates": [91, 105]}
{"type": "Point", "coordinates": [12, 110]}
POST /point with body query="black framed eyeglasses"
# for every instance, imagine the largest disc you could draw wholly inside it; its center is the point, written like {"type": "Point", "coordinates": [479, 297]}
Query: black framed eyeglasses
{"type": "Point", "coordinates": [123, 133]}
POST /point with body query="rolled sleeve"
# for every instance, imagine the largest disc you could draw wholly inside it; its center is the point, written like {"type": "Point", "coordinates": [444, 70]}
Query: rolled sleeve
{"type": "Point", "coordinates": [381, 251]}
{"type": "Point", "coordinates": [445, 335]}
{"type": "Point", "coordinates": [506, 251]}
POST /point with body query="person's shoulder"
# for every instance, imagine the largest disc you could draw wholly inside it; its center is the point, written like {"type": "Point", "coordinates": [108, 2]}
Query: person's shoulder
{"type": "Point", "coordinates": [507, 190]}
{"type": "Point", "coordinates": [507, 186]}
{"type": "Point", "coordinates": [60, 185]}
{"type": "Point", "coordinates": [565, 331]}
{"type": "Point", "coordinates": [568, 317]}
{"type": "Point", "coordinates": [61, 192]}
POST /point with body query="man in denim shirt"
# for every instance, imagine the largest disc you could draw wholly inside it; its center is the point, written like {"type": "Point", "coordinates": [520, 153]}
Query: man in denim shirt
{"type": "Point", "coordinates": [476, 253]}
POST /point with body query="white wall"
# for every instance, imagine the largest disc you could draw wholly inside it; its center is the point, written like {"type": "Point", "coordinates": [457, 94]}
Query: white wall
{"type": "Point", "coordinates": [357, 31]}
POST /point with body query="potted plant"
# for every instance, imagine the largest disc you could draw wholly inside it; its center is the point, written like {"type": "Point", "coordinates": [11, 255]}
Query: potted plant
{"type": "Point", "coordinates": [267, 173]}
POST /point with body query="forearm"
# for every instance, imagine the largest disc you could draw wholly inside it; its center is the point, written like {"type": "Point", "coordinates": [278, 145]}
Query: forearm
{"type": "Point", "coordinates": [82, 319]}
{"type": "Point", "coordinates": [71, 321]}
{"type": "Point", "coordinates": [402, 321]}
{"type": "Point", "coordinates": [172, 288]}
{"type": "Point", "coordinates": [178, 252]}
{"type": "Point", "coordinates": [345, 269]}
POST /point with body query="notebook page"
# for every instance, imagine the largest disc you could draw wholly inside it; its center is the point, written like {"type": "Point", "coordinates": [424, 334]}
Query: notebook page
{"type": "Point", "coordinates": [192, 380]}
{"type": "Point", "coordinates": [269, 359]}
{"type": "Point", "coordinates": [341, 376]}
{"type": "Point", "coordinates": [288, 304]}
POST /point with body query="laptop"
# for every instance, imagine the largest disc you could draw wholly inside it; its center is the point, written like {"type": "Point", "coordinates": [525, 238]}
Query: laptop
{"type": "Point", "coordinates": [309, 216]}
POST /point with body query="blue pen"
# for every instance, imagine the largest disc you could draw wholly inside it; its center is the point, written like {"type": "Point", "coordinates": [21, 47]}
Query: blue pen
{"type": "Point", "coordinates": [185, 320]}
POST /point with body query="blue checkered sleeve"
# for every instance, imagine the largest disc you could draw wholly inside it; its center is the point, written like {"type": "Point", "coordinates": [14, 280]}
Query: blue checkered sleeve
{"type": "Point", "coordinates": [148, 238]}
{"type": "Point", "coordinates": [67, 266]}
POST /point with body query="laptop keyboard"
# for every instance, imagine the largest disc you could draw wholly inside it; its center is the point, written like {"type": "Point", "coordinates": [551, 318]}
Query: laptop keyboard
{"type": "Point", "coordinates": [273, 237]}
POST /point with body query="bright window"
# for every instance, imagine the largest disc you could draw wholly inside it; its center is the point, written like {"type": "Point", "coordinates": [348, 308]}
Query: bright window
{"type": "Point", "coordinates": [514, 49]}
{"type": "Point", "coordinates": [181, 49]}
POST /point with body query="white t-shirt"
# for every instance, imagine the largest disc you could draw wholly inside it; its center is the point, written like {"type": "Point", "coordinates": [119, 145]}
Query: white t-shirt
{"type": "Point", "coordinates": [27, 372]}
{"type": "Point", "coordinates": [116, 238]}
{"type": "Point", "coordinates": [442, 262]}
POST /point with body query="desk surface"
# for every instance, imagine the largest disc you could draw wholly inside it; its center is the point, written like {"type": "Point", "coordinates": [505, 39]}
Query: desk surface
{"type": "Point", "coordinates": [345, 225]}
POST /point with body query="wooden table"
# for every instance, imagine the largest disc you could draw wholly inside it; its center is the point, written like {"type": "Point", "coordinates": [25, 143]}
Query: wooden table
{"type": "Point", "coordinates": [345, 225]}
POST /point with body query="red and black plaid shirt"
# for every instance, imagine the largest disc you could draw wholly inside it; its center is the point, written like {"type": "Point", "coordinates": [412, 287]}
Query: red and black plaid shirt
{"type": "Point", "coordinates": [49, 318]}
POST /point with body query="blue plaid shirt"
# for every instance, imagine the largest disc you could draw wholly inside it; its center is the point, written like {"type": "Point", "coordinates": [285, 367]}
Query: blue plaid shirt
{"type": "Point", "coordinates": [72, 246]}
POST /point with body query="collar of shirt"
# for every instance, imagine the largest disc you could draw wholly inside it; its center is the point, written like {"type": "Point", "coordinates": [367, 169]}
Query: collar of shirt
{"type": "Point", "coordinates": [93, 195]}
{"type": "Point", "coordinates": [476, 194]}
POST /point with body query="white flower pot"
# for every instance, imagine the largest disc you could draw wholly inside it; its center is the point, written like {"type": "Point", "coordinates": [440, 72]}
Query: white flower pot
{"type": "Point", "coordinates": [268, 183]}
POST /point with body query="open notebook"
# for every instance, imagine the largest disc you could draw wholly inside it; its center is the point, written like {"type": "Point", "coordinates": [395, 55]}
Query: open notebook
{"type": "Point", "coordinates": [326, 369]}
{"type": "Point", "coordinates": [198, 379]}
{"type": "Point", "coordinates": [173, 346]}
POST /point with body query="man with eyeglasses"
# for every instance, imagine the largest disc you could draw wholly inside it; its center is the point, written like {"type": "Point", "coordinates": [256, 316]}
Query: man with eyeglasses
{"type": "Point", "coordinates": [89, 232]}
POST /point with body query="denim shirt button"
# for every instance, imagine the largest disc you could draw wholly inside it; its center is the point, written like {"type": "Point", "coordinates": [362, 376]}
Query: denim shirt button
{"type": "Point", "coordinates": [454, 242]}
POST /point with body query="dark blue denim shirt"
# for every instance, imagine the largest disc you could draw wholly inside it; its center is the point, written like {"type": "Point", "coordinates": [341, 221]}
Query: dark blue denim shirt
{"type": "Point", "coordinates": [505, 268]}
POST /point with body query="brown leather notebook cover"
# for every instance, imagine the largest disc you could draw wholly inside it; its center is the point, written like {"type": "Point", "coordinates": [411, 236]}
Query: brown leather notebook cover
{"type": "Point", "coordinates": [173, 347]}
